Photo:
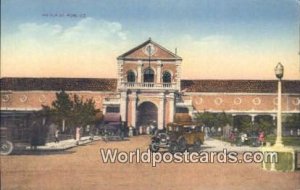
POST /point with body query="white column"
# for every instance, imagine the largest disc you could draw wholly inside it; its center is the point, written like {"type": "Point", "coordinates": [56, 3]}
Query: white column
{"type": "Point", "coordinates": [133, 110]}
{"type": "Point", "coordinates": [274, 119]}
{"type": "Point", "coordinates": [123, 106]}
{"type": "Point", "coordinates": [279, 127]}
{"type": "Point", "coordinates": [158, 72]}
{"type": "Point", "coordinates": [178, 74]}
{"type": "Point", "coordinates": [190, 108]}
{"type": "Point", "coordinates": [120, 75]}
{"type": "Point", "coordinates": [63, 125]}
{"type": "Point", "coordinates": [171, 111]}
{"type": "Point", "coordinates": [161, 110]}
{"type": "Point", "coordinates": [104, 109]}
{"type": "Point", "coordinates": [139, 71]}
{"type": "Point", "coordinates": [253, 118]}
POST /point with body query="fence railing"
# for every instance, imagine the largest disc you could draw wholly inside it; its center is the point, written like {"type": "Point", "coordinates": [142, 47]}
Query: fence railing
{"type": "Point", "coordinates": [148, 85]}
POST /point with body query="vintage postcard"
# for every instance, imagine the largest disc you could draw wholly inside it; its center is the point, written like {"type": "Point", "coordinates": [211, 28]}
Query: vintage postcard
{"type": "Point", "coordinates": [157, 94]}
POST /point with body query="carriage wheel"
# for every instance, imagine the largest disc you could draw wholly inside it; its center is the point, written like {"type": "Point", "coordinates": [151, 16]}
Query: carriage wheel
{"type": "Point", "coordinates": [6, 148]}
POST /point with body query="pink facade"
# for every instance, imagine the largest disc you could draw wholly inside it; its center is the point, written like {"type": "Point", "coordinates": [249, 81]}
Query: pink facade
{"type": "Point", "coordinates": [149, 90]}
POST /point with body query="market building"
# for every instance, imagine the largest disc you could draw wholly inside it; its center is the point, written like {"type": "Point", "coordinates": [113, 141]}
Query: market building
{"type": "Point", "coordinates": [149, 90]}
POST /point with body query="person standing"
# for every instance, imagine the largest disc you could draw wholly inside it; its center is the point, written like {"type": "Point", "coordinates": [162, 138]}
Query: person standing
{"type": "Point", "coordinates": [232, 137]}
{"type": "Point", "coordinates": [291, 132]}
{"type": "Point", "coordinates": [77, 136]}
{"type": "Point", "coordinates": [56, 136]}
{"type": "Point", "coordinates": [261, 138]}
{"type": "Point", "coordinates": [219, 131]}
{"type": "Point", "coordinates": [34, 136]}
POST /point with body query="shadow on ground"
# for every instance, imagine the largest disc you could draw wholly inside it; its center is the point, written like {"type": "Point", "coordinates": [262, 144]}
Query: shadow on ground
{"type": "Point", "coordinates": [42, 152]}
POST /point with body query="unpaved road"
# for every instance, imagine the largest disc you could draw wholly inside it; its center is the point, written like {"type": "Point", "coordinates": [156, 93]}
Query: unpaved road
{"type": "Point", "coordinates": [82, 168]}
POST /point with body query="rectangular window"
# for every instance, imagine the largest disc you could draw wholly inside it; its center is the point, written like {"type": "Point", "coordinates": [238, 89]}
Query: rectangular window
{"type": "Point", "coordinates": [182, 110]}
{"type": "Point", "coordinates": [113, 109]}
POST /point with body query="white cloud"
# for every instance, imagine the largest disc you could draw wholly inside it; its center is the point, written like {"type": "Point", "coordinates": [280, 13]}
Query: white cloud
{"type": "Point", "coordinates": [88, 42]}
{"type": "Point", "coordinates": [219, 56]}
{"type": "Point", "coordinates": [90, 47]}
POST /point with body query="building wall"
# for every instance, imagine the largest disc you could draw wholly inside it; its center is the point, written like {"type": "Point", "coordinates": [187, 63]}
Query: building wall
{"type": "Point", "coordinates": [128, 97]}
{"type": "Point", "coordinates": [244, 102]}
{"type": "Point", "coordinates": [33, 100]}
{"type": "Point", "coordinates": [235, 103]}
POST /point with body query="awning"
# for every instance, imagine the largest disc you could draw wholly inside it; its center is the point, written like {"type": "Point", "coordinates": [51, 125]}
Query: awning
{"type": "Point", "coordinates": [112, 117]}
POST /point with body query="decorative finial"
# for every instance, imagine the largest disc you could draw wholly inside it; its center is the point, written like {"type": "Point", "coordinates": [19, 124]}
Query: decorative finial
{"type": "Point", "coordinates": [150, 38]}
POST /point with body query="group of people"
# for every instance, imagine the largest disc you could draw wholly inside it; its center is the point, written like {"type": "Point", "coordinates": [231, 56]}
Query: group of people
{"type": "Point", "coordinates": [211, 131]}
{"type": "Point", "coordinates": [257, 138]}
{"type": "Point", "coordinates": [295, 132]}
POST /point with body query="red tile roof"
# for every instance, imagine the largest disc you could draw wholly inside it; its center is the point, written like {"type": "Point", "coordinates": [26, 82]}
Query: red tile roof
{"type": "Point", "coordinates": [93, 84]}
{"type": "Point", "coordinates": [57, 84]}
{"type": "Point", "coordinates": [239, 86]}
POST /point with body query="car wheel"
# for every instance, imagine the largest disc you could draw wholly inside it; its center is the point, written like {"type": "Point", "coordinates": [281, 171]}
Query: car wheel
{"type": "Point", "coordinates": [255, 144]}
{"type": "Point", "coordinates": [154, 147]}
{"type": "Point", "coordinates": [239, 143]}
{"type": "Point", "coordinates": [173, 148]}
{"type": "Point", "coordinates": [6, 148]}
{"type": "Point", "coordinates": [122, 135]}
{"type": "Point", "coordinates": [197, 145]}
{"type": "Point", "coordinates": [182, 145]}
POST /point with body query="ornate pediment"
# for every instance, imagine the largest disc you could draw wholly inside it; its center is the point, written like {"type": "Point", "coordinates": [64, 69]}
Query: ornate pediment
{"type": "Point", "coordinates": [149, 49]}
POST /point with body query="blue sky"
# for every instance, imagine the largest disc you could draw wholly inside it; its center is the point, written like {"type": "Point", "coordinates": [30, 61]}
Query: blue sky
{"type": "Point", "coordinates": [249, 29]}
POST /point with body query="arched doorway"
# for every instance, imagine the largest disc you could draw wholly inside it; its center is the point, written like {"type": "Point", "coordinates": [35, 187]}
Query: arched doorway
{"type": "Point", "coordinates": [147, 115]}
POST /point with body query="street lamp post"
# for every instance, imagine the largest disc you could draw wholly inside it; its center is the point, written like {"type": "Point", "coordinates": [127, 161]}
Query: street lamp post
{"type": "Point", "coordinates": [279, 70]}
{"type": "Point", "coordinates": [286, 156]}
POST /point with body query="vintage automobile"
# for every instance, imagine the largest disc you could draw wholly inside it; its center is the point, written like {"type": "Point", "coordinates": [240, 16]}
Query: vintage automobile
{"type": "Point", "coordinates": [178, 137]}
{"type": "Point", "coordinates": [17, 130]}
{"type": "Point", "coordinates": [7, 145]}
{"type": "Point", "coordinates": [112, 127]}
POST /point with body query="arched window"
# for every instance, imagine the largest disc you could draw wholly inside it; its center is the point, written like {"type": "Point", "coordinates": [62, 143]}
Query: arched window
{"type": "Point", "coordinates": [148, 75]}
{"type": "Point", "coordinates": [167, 77]}
{"type": "Point", "coordinates": [130, 76]}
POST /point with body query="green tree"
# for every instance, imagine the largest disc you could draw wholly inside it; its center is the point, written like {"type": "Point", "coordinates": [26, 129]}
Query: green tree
{"type": "Point", "coordinates": [62, 108]}
{"type": "Point", "coordinates": [83, 112]}
{"type": "Point", "coordinates": [222, 119]}
{"type": "Point", "coordinates": [243, 123]}
{"type": "Point", "coordinates": [214, 119]}
{"type": "Point", "coordinates": [73, 111]}
{"type": "Point", "coordinates": [206, 118]}
{"type": "Point", "coordinates": [292, 121]}
{"type": "Point", "coordinates": [265, 123]}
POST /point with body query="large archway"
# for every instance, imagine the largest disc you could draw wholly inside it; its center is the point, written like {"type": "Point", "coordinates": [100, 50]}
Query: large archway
{"type": "Point", "coordinates": [147, 114]}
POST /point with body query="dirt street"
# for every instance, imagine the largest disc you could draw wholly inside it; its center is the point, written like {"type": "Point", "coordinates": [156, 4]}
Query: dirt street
{"type": "Point", "coordinates": [82, 168]}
